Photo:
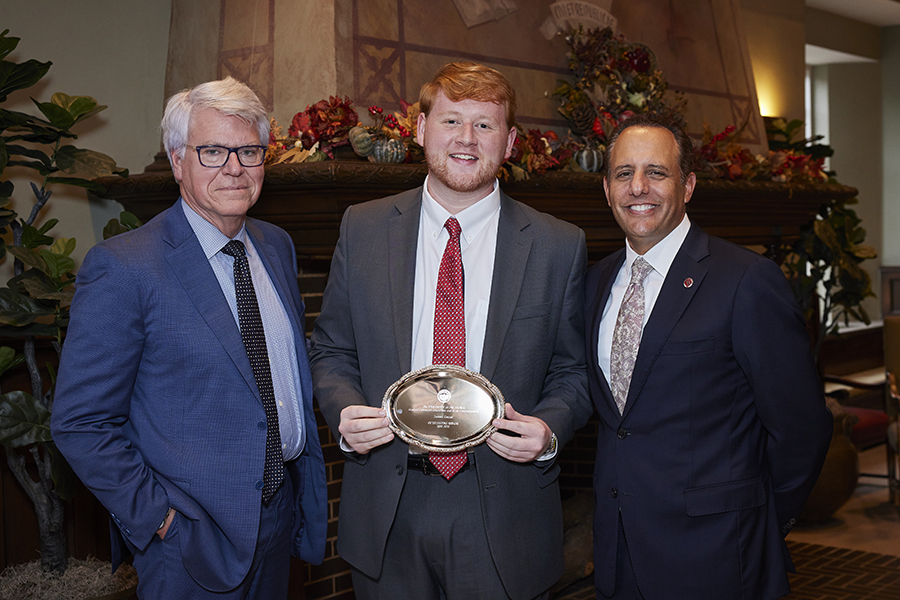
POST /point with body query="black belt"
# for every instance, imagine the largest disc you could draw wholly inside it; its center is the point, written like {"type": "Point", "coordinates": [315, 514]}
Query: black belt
{"type": "Point", "coordinates": [420, 463]}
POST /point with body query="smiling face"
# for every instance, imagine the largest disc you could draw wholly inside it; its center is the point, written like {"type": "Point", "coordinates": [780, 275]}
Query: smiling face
{"type": "Point", "coordinates": [465, 143]}
{"type": "Point", "coordinates": [221, 195]}
{"type": "Point", "coordinates": [644, 187]}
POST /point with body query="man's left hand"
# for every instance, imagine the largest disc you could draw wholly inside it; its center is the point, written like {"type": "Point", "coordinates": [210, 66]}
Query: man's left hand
{"type": "Point", "coordinates": [533, 439]}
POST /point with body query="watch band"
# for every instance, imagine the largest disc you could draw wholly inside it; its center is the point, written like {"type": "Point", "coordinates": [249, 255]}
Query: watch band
{"type": "Point", "coordinates": [165, 518]}
{"type": "Point", "coordinates": [551, 451]}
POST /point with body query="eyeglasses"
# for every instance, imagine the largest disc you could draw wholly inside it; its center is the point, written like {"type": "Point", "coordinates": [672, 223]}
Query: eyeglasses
{"type": "Point", "coordinates": [217, 156]}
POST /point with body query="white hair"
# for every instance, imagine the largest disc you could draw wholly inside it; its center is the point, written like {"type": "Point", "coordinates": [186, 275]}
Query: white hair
{"type": "Point", "coordinates": [228, 96]}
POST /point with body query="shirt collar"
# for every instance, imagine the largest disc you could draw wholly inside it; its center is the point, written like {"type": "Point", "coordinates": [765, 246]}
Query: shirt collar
{"type": "Point", "coordinates": [472, 220]}
{"type": "Point", "coordinates": [211, 239]}
{"type": "Point", "coordinates": [661, 255]}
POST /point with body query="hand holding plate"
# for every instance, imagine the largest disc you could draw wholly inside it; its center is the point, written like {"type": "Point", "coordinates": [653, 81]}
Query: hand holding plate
{"type": "Point", "coordinates": [364, 428]}
{"type": "Point", "coordinates": [532, 441]}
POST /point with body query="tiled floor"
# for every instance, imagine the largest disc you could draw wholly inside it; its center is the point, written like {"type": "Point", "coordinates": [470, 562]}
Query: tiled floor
{"type": "Point", "coordinates": [867, 521]}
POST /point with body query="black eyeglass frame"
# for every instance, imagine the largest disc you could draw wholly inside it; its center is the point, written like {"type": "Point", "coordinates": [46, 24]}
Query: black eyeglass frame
{"type": "Point", "coordinates": [230, 151]}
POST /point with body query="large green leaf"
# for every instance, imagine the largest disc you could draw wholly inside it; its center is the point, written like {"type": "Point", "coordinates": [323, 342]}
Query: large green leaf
{"type": "Point", "coordinates": [16, 150]}
{"type": "Point", "coordinates": [40, 135]}
{"type": "Point", "coordinates": [33, 238]}
{"type": "Point", "coordinates": [24, 420]}
{"type": "Point", "coordinates": [38, 284]}
{"type": "Point", "coordinates": [7, 43]}
{"type": "Point", "coordinates": [56, 114]}
{"type": "Point", "coordinates": [6, 190]}
{"type": "Point", "coordinates": [32, 164]}
{"type": "Point", "coordinates": [16, 121]}
{"type": "Point", "coordinates": [30, 257]}
{"type": "Point", "coordinates": [79, 107]}
{"type": "Point", "coordinates": [20, 76]}
{"type": "Point", "coordinates": [9, 359]}
{"type": "Point", "coordinates": [18, 309]}
{"type": "Point", "coordinates": [84, 163]}
{"type": "Point", "coordinates": [62, 246]}
{"type": "Point", "coordinates": [48, 225]}
{"type": "Point", "coordinates": [126, 222]}
{"type": "Point", "coordinates": [57, 264]}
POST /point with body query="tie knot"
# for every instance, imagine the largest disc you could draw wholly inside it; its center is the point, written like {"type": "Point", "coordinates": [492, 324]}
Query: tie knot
{"type": "Point", "coordinates": [640, 268]}
{"type": "Point", "coordinates": [234, 248]}
{"type": "Point", "coordinates": [453, 228]}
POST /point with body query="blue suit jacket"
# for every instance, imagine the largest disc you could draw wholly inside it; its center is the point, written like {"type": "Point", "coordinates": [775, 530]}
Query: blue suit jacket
{"type": "Point", "coordinates": [724, 431]}
{"type": "Point", "coordinates": [156, 404]}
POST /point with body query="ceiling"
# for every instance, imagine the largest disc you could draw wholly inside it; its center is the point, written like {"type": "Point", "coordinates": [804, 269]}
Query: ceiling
{"type": "Point", "coordinates": [882, 13]}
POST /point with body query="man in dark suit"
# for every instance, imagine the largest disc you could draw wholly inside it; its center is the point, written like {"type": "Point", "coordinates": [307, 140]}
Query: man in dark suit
{"type": "Point", "coordinates": [493, 530]}
{"type": "Point", "coordinates": [713, 426]}
{"type": "Point", "coordinates": [184, 399]}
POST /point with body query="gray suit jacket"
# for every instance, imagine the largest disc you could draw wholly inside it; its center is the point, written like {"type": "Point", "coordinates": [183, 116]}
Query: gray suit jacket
{"type": "Point", "coordinates": [533, 351]}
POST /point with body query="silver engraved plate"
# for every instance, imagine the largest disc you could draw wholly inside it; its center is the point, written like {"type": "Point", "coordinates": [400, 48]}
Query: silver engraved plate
{"type": "Point", "coordinates": [443, 408]}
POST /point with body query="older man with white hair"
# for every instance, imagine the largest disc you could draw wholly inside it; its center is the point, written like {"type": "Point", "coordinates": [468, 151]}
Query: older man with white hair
{"type": "Point", "coordinates": [184, 399]}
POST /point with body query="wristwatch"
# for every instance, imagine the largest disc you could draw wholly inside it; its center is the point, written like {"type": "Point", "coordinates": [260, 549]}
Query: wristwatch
{"type": "Point", "coordinates": [551, 451]}
{"type": "Point", "coordinates": [166, 518]}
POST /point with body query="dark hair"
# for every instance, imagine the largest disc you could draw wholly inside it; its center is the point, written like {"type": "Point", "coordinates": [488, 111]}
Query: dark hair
{"type": "Point", "coordinates": [470, 81]}
{"type": "Point", "coordinates": [651, 119]}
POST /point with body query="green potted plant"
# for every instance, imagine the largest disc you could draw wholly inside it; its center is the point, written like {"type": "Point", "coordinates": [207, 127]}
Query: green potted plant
{"type": "Point", "coordinates": [34, 303]}
{"type": "Point", "coordinates": [823, 266]}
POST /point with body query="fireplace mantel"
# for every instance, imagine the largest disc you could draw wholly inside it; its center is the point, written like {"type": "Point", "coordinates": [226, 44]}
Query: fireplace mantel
{"type": "Point", "coordinates": [308, 200]}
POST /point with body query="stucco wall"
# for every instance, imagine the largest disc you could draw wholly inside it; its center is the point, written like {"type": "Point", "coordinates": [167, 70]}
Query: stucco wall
{"type": "Point", "coordinates": [114, 51]}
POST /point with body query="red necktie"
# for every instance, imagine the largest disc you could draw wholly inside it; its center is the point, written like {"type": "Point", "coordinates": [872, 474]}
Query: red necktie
{"type": "Point", "coordinates": [450, 331]}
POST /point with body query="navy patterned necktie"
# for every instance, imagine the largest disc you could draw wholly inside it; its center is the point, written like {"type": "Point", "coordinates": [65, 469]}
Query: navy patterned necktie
{"type": "Point", "coordinates": [254, 338]}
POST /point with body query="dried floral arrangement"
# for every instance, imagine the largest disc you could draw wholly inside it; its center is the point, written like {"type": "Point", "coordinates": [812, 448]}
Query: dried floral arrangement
{"type": "Point", "coordinates": [720, 156]}
{"type": "Point", "coordinates": [613, 79]}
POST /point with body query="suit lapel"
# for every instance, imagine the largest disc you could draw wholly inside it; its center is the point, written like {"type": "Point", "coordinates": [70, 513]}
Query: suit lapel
{"type": "Point", "coordinates": [268, 256]}
{"type": "Point", "coordinates": [599, 297]}
{"type": "Point", "coordinates": [191, 268]}
{"type": "Point", "coordinates": [403, 232]}
{"type": "Point", "coordinates": [671, 303]}
{"type": "Point", "coordinates": [288, 292]}
{"type": "Point", "coordinates": [510, 260]}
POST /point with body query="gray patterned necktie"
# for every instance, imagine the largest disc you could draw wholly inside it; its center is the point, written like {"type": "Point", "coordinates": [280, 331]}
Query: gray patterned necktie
{"type": "Point", "coordinates": [627, 333]}
{"type": "Point", "coordinates": [254, 338]}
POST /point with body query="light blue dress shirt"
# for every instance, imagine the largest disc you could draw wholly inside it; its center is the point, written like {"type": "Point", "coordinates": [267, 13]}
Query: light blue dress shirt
{"type": "Point", "coordinates": [280, 342]}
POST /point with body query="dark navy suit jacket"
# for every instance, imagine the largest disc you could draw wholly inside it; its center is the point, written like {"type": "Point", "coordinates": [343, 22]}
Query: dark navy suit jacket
{"type": "Point", "coordinates": [724, 431]}
{"type": "Point", "coordinates": [156, 403]}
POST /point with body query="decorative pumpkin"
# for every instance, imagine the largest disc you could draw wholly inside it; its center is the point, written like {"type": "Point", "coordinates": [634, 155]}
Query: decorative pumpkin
{"type": "Point", "coordinates": [589, 159]}
{"type": "Point", "coordinates": [361, 141]}
{"type": "Point", "coordinates": [388, 151]}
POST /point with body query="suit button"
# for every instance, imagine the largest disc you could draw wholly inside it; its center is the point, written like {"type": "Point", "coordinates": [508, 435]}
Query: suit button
{"type": "Point", "coordinates": [621, 434]}
{"type": "Point", "coordinates": [259, 484]}
{"type": "Point", "coordinates": [399, 469]}
{"type": "Point", "coordinates": [261, 425]}
{"type": "Point", "coordinates": [614, 493]}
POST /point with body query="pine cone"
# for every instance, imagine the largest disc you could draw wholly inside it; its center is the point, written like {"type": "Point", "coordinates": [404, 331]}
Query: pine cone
{"type": "Point", "coordinates": [583, 117]}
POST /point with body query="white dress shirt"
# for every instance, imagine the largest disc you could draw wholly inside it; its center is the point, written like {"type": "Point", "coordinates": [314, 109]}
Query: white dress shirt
{"type": "Point", "coordinates": [660, 258]}
{"type": "Point", "coordinates": [478, 246]}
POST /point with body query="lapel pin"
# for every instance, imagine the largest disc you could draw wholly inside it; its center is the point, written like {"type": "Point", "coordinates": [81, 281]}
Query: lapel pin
{"type": "Point", "coordinates": [688, 283]}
